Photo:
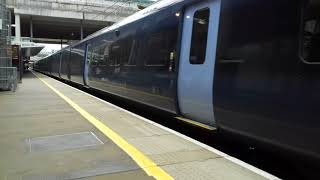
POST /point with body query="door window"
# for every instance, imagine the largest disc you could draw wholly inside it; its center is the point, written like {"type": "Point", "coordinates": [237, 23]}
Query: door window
{"type": "Point", "coordinates": [199, 36]}
{"type": "Point", "coordinates": [311, 32]}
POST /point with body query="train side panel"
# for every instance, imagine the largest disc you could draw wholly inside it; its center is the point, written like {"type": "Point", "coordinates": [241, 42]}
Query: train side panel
{"type": "Point", "coordinates": [262, 89]}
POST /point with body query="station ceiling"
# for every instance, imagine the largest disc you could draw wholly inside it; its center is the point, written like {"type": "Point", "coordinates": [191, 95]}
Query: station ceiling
{"type": "Point", "coordinates": [58, 28]}
{"type": "Point", "coordinates": [62, 28]}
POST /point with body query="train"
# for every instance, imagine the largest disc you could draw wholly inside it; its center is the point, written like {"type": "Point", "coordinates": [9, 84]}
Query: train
{"type": "Point", "coordinates": [249, 67]}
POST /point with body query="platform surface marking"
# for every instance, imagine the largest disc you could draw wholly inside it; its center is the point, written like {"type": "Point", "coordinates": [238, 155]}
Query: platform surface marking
{"type": "Point", "coordinates": [143, 161]}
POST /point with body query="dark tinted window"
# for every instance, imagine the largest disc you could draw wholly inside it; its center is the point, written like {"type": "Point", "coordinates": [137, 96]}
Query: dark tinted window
{"type": "Point", "coordinates": [199, 36]}
{"type": "Point", "coordinates": [98, 55]}
{"type": "Point", "coordinates": [89, 53]}
{"type": "Point", "coordinates": [311, 31]}
{"type": "Point", "coordinates": [158, 49]}
{"type": "Point", "coordinates": [131, 59]}
{"type": "Point", "coordinates": [91, 56]}
{"type": "Point", "coordinates": [115, 54]}
{"type": "Point", "coordinates": [125, 48]}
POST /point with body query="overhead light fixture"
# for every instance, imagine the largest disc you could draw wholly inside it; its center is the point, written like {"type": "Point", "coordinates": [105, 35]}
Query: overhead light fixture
{"type": "Point", "coordinates": [177, 14]}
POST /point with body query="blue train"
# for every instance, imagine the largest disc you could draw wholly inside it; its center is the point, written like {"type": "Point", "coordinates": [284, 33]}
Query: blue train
{"type": "Point", "coordinates": [248, 67]}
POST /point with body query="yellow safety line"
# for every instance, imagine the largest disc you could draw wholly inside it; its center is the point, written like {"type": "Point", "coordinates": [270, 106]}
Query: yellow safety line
{"type": "Point", "coordinates": [143, 161]}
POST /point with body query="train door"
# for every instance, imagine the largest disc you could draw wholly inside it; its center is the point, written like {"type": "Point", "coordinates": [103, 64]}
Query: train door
{"type": "Point", "coordinates": [86, 65]}
{"type": "Point", "coordinates": [197, 59]}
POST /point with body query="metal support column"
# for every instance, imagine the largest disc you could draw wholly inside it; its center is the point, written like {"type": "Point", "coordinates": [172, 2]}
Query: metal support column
{"type": "Point", "coordinates": [17, 28]}
{"type": "Point", "coordinates": [81, 26]}
{"type": "Point", "coordinates": [31, 29]}
{"type": "Point", "coordinates": [81, 29]}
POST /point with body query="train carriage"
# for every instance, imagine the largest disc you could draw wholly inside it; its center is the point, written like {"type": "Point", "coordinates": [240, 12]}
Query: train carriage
{"type": "Point", "coordinates": [249, 67]}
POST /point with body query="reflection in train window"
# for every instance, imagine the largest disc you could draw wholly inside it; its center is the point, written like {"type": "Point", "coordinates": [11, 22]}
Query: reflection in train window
{"type": "Point", "coordinates": [132, 54]}
{"type": "Point", "coordinates": [98, 56]}
{"type": "Point", "coordinates": [311, 31]}
{"type": "Point", "coordinates": [115, 55]}
{"type": "Point", "coordinates": [158, 47]}
{"type": "Point", "coordinates": [199, 36]}
{"type": "Point", "coordinates": [106, 53]}
{"type": "Point", "coordinates": [89, 53]}
{"type": "Point", "coordinates": [126, 44]}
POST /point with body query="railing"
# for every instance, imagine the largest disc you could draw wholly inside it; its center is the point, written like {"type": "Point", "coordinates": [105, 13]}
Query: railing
{"type": "Point", "coordinates": [8, 78]}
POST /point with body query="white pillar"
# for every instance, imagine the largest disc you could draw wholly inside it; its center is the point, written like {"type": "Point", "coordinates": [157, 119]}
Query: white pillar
{"type": "Point", "coordinates": [81, 29]}
{"type": "Point", "coordinates": [81, 26]}
{"type": "Point", "coordinates": [31, 29]}
{"type": "Point", "coordinates": [18, 28]}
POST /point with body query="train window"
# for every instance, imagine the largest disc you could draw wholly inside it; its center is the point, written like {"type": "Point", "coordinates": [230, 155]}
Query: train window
{"type": "Point", "coordinates": [311, 32]}
{"type": "Point", "coordinates": [95, 58]}
{"type": "Point", "coordinates": [131, 60]}
{"type": "Point", "coordinates": [115, 55]}
{"type": "Point", "coordinates": [106, 54]}
{"type": "Point", "coordinates": [89, 53]}
{"type": "Point", "coordinates": [125, 48]}
{"type": "Point", "coordinates": [199, 36]}
{"type": "Point", "coordinates": [158, 53]}
{"type": "Point", "coordinates": [98, 55]}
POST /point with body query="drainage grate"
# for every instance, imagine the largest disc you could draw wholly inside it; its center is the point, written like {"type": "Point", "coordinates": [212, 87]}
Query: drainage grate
{"type": "Point", "coordinates": [63, 142]}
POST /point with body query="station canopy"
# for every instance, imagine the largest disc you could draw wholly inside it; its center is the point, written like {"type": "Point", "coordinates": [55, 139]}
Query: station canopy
{"type": "Point", "coordinates": [145, 2]}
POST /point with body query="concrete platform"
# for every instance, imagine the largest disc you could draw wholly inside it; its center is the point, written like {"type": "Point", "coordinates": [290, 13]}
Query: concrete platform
{"type": "Point", "coordinates": [49, 130]}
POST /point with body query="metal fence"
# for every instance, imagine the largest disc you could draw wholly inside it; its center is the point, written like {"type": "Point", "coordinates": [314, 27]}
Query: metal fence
{"type": "Point", "coordinates": [8, 78]}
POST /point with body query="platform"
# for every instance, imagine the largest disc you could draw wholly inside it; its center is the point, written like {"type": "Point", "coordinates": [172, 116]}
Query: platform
{"type": "Point", "coordinates": [50, 130]}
